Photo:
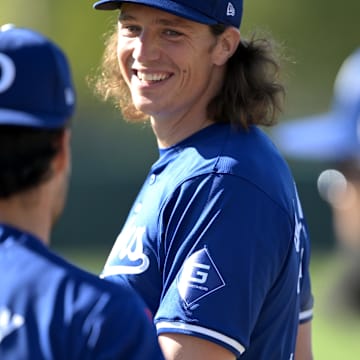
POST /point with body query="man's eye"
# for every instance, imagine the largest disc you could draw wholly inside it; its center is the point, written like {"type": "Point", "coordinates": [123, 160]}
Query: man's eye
{"type": "Point", "coordinates": [133, 28]}
{"type": "Point", "coordinates": [172, 33]}
{"type": "Point", "coordinates": [130, 29]}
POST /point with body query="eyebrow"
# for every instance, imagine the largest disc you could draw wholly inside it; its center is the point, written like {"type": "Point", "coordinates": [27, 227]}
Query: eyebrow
{"type": "Point", "coordinates": [176, 21]}
{"type": "Point", "coordinates": [125, 16]}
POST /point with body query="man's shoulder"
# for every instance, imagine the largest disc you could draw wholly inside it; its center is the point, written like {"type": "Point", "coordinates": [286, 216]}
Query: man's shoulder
{"type": "Point", "coordinates": [33, 266]}
{"type": "Point", "coordinates": [88, 285]}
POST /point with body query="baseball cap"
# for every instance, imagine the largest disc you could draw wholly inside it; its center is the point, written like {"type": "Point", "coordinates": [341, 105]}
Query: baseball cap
{"type": "Point", "coordinates": [36, 87]}
{"type": "Point", "coordinates": [333, 136]}
{"type": "Point", "coordinates": [210, 12]}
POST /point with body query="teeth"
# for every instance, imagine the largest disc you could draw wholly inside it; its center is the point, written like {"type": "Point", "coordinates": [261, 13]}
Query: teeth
{"type": "Point", "coordinates": [152, 77]}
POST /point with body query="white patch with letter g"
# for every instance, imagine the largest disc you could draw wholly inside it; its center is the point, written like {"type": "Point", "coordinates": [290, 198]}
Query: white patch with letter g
{"type": "Point", "coordinates": [199, 277]}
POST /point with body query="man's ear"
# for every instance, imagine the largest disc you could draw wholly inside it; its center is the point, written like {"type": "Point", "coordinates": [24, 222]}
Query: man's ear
{"type": "Point", "coordinates": [62, 160]}
{"type": "Point", "coordinates": [226, 45]}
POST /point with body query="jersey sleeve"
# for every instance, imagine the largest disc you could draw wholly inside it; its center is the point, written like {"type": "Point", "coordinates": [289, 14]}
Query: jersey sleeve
{"type": "Point", "coordinates": [229, 255]}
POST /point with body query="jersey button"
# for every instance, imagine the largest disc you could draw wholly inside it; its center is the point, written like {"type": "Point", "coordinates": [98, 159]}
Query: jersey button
{"type": "Point", "coordinates": [152, 179]}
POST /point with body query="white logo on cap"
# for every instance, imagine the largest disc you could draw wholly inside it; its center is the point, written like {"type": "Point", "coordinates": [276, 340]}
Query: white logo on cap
{"type": "Point", "coordinates": [6, 27]}
{"type": "Point", "coordinates": [230, 11]}
{"type": "Point", "coordinates": [69, 96]}
{"type": "Point", "coordinates": [7, 72]}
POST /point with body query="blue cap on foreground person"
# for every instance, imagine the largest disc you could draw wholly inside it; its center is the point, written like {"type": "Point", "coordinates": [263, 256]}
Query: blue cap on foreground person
{"type": "Point", "coordinates": [49, 308]}
{"type": "Point", "coordinates": [334, 139]}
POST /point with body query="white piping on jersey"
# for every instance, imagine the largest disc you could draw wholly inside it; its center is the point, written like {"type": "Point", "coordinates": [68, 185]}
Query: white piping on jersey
{"type": "Point", "coordinates": [200, 330]}
{"type": "Point", "coordinates": [305, 314]}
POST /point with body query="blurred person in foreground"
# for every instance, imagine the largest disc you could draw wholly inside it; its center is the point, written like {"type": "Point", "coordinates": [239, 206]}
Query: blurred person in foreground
{"type": "Point", "coordinates": [334, 139]}
{"type": "Point", "coordinates": [216, 242]}
{"type": "Point", "coordinates": [50, 309]}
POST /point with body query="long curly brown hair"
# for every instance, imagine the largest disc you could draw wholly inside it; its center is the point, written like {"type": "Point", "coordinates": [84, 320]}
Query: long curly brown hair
{"type": "Point", "coordinates": [252, 92]}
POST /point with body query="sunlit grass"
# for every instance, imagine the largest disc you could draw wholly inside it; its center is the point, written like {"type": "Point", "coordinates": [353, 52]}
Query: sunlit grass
{"type": "Point", "coordinates": [336, 335]}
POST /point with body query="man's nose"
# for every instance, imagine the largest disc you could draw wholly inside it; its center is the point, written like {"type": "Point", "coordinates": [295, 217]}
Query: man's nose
{"type": "Point", "coordinates": [146, 48]}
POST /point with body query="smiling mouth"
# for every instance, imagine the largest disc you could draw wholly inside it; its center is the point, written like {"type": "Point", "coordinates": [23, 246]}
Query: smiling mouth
{"type": "Point", "coordinates": [151, 77]}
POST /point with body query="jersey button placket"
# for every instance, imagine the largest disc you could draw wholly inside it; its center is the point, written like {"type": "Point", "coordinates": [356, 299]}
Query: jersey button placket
{"type": "Point", "coordinates": [152, 179]}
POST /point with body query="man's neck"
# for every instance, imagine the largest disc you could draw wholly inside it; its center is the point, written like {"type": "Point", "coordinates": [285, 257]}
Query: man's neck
{"type": "Point", "coordinates": [169, 134]}
{"type": "Point", "coordinates": [26, 213]}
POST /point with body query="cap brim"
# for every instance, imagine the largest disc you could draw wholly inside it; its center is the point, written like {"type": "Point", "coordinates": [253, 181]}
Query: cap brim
{"type": "Point", "coordinates": [107, 5]}
{"type": "Point", "coordinates": [165, 5]}
{"type": "Point", "coordinates": [41, 121]}
{"type": "Point", "coordinates": [323, 137]}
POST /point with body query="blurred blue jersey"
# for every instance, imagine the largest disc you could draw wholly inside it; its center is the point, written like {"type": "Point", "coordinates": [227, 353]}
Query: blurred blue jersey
{"type": "Point", "coordinates": [216, 244]}
{"type": "Point", "coordinates": [49, 309]}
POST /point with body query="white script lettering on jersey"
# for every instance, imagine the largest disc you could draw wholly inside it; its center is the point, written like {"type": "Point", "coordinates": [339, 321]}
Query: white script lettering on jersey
{"type": "Point", "coordinates": [9, 322]}
{"type": "Point", "coordinates": [7, 72]}
{"type": "Point", "coordinates": [299, 229]}
{"type": "Point", "coordinates": [198, 277]}
{"type": "Point", "coordinates": [127, 256]}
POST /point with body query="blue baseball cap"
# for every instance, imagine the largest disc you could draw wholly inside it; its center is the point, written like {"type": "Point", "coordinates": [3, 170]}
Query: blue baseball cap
{"type": "Point", "coordinates": [210, 12]}
{"type": "Point", "coordinates": [36, 87]}
{"type": "Point", "coordinates": [333, 136]}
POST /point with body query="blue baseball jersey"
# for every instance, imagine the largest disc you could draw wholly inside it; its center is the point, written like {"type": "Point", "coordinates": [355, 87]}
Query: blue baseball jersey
{"type": "Point", "coordinates": [217, 245]}
{"type": "Point", "coordinates": [50, 309]}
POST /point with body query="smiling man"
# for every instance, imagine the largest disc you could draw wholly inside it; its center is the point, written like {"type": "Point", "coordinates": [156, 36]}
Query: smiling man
{"type": "Point", "coordinates": [216, 241]}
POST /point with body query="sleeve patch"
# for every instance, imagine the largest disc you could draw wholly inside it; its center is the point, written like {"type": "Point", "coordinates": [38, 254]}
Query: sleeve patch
{"type": "Point", "coordinates": [198, 278]}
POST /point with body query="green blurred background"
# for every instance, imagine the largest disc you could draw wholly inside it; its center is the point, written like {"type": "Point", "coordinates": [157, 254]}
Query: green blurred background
{"type": "Point", "coordinates": [111, 157]}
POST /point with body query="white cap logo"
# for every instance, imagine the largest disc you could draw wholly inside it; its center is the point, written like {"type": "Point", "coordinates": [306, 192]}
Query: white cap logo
{"type": "Point", "coordinates": [7, 72]}
{"type": "Point", "coordinates": [69, 96]}
{"type": "Point", "coordinates": [230, 11]}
